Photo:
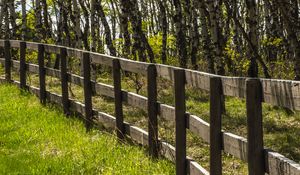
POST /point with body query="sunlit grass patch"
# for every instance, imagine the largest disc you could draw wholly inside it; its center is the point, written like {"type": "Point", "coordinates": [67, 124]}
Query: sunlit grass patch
{"type": "Point", "coordinates": [36, 139]}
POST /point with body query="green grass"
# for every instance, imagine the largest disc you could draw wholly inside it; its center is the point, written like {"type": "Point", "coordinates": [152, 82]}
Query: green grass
{"type": "Point", "coordinates": [37, 139]}
{"type": "Point", "coordinates": [281, 126]}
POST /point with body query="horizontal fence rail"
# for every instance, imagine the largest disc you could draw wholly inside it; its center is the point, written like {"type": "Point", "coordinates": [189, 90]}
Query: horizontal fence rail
{"type": "Point", "coordinates": [276, 92]}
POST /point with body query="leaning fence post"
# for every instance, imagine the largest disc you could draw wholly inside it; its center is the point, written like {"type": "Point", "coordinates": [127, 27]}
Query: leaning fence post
{"type": "Point", "coordinates": [152, 111]}
{"type": "Point", "coordinates": [180, 119]}
{"type": "Point", "coordinates": [7, 55]}
{"type": "Point", "coordinates": [64, 80]}
{"type": "Point", "coordinates": [254, 127]}
{"type": "Point", "coordinates": [118, 99]}
{"type": "Point", "coordinates": [42, 74]}
{"type": "Point", "coordinates": [23, 65]}
{"type": "Point", "coordinates": [215, 125]}
{"type": "Point", "coordinates": [87, 90]}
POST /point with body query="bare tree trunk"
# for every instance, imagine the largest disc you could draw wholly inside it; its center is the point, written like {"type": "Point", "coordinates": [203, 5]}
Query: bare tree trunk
{"type": "Point", "coordinates": [253, 35]}
{"type": "Point", "coordinates": [124, 30]}
{"type": "Point", "coordinates": [194, 34]}
{"type": "Point", "coordinates": [76, 23]}
{"type": "Point", "coordinates": [164, 29]}
{"type": "Point", "coordinates": [108, 39]}
{"type": "Point", "coordinates": [13, 18]}
{"type": "Point", "coordinates": [180, 34]}
{"type": "Point", "coordinates": [38, 20]}
{"type": "Point", "coordinates": [216, 34]}
{"type": "Point", "coordinates": [206, 39]}
{"type": "Point", "coordinates": [24, 20]}
{"type": "Point", "coordinates": [93, 26]}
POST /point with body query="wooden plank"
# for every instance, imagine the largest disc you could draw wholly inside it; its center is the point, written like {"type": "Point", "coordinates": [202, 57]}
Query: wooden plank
{"type": "Point", "coordinates": [152, 111]}
{"type": "Point", "coordinates": [101, 59]}
{"type": "Point", "coordinates": [216, 125]}
{"type": "Point", "coordinates": [180, 117]}
{"type": "Point", "coordinates": [87, 90]}
{"type": "Point", "coordinates": [135, 100]}
{"type": "Point", "coordinates": [76, 79]}
{"type": "Point", "coordinates": [199, 127]}
{"type": "Point", "coordinates": [7, 55]}
{"type": "Point", "coordinates": [277, 164]}
{"type": "Point", "coordinates": [234, 86]}
{"type": "Point", "coordinates": [168, 151]}
{"type": "Point", "coordinates": [106, 120]}
{"type": "Point", "coordinates": [54, 98]}
{"type": "Point", "coordinates": [104, 89]}
{"type": "Point", "coordinates": [52, 72]}
{"type": "Point", "coordinates": [254, 127]}
{"type": "Point", "coordinates": [49, 48]}
{"type": "Point", "coordinates": [72, 52]}
{"type": "Point", "coordinates": [235, 145]}
{"type": "Point", "coordinates": [32, 46]}
{"type": "Point", "coordinates": [1, 43]}
{"type": "Point", "coordinates": [165, 71]}
{"type": "Point", "coordinates": [78, 107]}
{"type": "Point", "coordinates": [64, 81]}
{"type": "Point", "coordinates": [167, 112]}
{"type": "Point", "coordinates": [118, 100]}
{"type": "Point", "coordinates": [196, 169]}
{"type": "Point", "coordinates": [23, 65]}
{"type": "Point", "coordinates": [198, 79]}
{"type": "Point", "coordinates": [42, 74]}
{"type": "Point", "coordinates": [137, 134]}
{"type": "Point", "coordinates": [282, 93]}
{"type": "Point", "coordinates": [14, 44]}
{"type": "Point", "coordinates": [134, 66]}
{"type": "Point", "coordinates": [32, 68]}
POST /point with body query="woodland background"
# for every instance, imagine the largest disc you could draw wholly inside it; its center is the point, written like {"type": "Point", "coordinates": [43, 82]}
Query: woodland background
{"type": "Point", "coordinates": [256, 38]}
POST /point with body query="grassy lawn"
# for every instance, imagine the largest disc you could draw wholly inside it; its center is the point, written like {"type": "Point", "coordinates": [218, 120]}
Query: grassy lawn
{"type": "Point", "coordinates": [36, 139]}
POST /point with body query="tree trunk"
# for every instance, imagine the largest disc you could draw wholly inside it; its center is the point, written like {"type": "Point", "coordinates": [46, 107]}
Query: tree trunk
{"type": "Point", "coordinates": [164, 29]}
{"type": "Point", "coordinates": [180, 34]}
{"type": "Point", "coordinates": [253, 35]}
{"type": "Point", "coordinates": [216, 34]}
{"type": "Point", "coordinates": [108, 39]}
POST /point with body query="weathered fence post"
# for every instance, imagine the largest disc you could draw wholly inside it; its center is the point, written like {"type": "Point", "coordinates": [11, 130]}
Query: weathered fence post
{"type": "Point", "coordinates": [216, 104]}
{"type": "Point", "coordinates": [118, 99]}
{"type": "Point", "coordinates": [87, 90]}
{"type": "Point", "coordinates": [180, 119]}
{"type": "Point", "coordinates": [7, 55]}
{"type": "Point", "coordinates": [152, 111]}
{"type": "Point", "coordinates": [254, 127]}
{"type": "Point", "coordinates": [64, 80]}
{"type": "Point", "coordinates": [42, 74]}
{"type": "Point", "coordinates": [23, 65]}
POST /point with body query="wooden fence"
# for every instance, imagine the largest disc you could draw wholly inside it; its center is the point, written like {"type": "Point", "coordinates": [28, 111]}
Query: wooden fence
{"type": "Point", "coordinates": [251, 150]}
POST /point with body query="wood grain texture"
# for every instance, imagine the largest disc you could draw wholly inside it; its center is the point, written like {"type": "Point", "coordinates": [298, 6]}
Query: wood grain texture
{"type": "Point", "coordinates": [7, 56]}
{"type": "Point", "coordinates": [22, 71]}
{"type": "Point", "coordinates": [101, 59]}
{"type": "Point", "coordinates": [254, 127]}
{"type": "Point", "coordinates": [64, 81]}
{"type": "Point", "coordinates": [216, 126]}
{"type": "Point", "coordinates": [14, 43]}
{"type": "Point", "coordinates": [87, 88]}
{"type": "Point", "coordinates": [49, 48]}
{"type": "Point", "coordinates": [32, 46]}
{"type": "Point", "coordinates": [277, 164]}
{"type": "Point", "coordinates": [118, 99]}
{"type": "Point", "coordinates": [152, 111]}
{"type": "Point", "coordinates": [42, 74]}
{"type": "Point", "coordinates": [180, 121]}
